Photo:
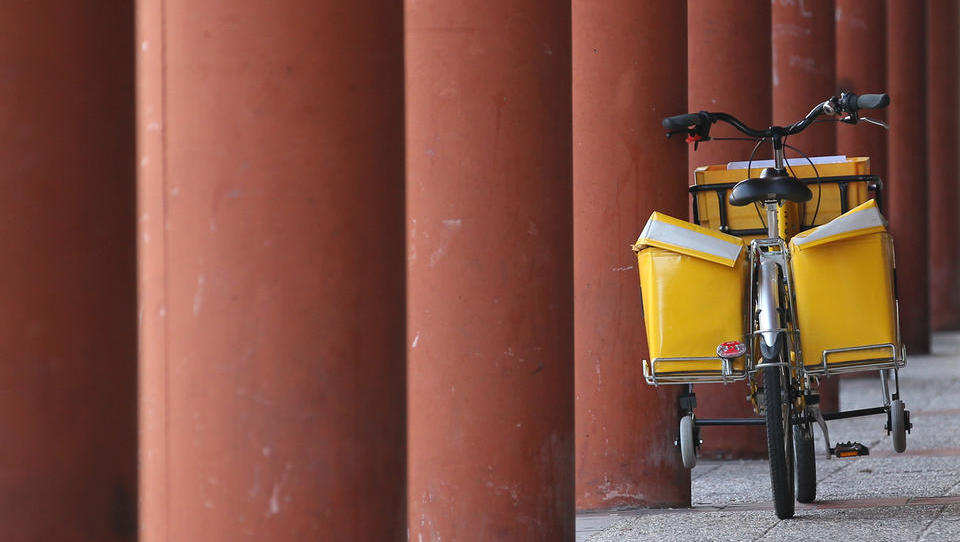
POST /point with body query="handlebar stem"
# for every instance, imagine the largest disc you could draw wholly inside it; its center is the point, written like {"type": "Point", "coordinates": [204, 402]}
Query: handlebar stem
{"type": "Point", "coordinates": [778, 160]}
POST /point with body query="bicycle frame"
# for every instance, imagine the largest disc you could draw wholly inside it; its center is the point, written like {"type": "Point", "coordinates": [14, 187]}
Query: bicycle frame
{"type": "Point", "coordinates": [769, 260]}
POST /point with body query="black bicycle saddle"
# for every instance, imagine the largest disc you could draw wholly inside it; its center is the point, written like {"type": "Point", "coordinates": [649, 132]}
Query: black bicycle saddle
{"type": "Point", "coordinates": [771, 185]}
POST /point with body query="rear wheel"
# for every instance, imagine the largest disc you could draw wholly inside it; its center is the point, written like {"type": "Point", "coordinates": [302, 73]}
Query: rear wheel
{"type": "Point", "coordinates": [779, 437]}
{"type": "Point", "coordinates": [806, 463]}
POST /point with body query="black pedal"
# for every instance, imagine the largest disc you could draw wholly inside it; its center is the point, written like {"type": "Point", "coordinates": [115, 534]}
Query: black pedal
{"type": "Point", "coordinates": [849, 449]}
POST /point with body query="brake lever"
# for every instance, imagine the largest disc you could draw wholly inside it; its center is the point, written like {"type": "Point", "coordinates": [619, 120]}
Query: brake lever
{"type": "Point", "coordinates": [876, 122]}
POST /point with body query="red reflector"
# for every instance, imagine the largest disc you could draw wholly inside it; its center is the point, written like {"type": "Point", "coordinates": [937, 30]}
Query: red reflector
{"type": "Point", "coordinates": [731, 349]}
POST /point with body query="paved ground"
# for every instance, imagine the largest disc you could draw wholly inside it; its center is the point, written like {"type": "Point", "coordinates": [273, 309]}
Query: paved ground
{"type": "Point", "coordinates": [883, 496]}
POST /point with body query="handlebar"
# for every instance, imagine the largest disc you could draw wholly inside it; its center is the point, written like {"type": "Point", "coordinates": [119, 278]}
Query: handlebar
{"type": "Point", "coordinates": [870, 101]}
{"type": "Point", "coordinates": [698, 124]}
{"type": "Point", "coordinates": [680, 122]}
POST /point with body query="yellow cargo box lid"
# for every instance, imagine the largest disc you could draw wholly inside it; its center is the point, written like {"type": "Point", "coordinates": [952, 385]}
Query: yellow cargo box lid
{"type": "Point", "coordinates": [669, 233]}
{"type": "Point", "coordinates": [826, 166]}
{"type": "Point", "coordinates": [860, 220]}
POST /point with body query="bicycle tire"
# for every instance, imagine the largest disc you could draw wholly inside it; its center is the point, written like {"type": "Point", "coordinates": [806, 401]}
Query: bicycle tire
{"type": "Point", "coordinates": [806, 464]}
{"type": "Point", "coordinates": [779, 439]}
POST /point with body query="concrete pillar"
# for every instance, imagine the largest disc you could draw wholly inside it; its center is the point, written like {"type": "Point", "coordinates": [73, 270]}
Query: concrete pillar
{"type": "Point", "coordinates": [151, 254]}
{"type": "Point", "coordinates": [68, 283]}
{"type": "Point", "coordinates": [942, 143]}
{"type": "Point", "coordinates": [273, 297]}
{"type": "Point", "coordinates": [804, 62]}
{"type": "Point", "coordinates": [907, 167]}
{"type": "Point", "coordinates": [729, 70]}
{"type": "Point", "coordinates": [490, 270]}
{"type": "Point", "coordinates": [862, 68]}
{"type": "Point", "coordinates": [804, 68]}
{"type": "Point", "coordinates": [629, 68]}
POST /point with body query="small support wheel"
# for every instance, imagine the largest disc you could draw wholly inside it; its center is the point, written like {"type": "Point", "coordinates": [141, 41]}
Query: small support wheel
{"type": "Point", "coordinates": [805, 467]}
{"type": "Point", "coordinates": [898, 426]}
{"type": "Point", "coordinates": [688, 447]}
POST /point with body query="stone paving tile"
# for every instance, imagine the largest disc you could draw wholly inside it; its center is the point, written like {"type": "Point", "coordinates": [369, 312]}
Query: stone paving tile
{"type": "Point", "coordinates": [876, 524]}
{"type": "Point", "coordinates": [945, 527]}
{"type": "Point", "coordinates": [736, 482]}
{"type": "Point", "coordinates": [700, 526]}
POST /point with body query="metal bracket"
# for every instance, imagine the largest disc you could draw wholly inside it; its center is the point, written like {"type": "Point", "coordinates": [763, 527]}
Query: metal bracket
{"type": "Point", "coordinates": [815, 409]}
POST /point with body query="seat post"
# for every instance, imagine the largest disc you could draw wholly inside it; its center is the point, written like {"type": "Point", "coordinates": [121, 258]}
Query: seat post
{"type": "Point", "coordinates": [773, 227]}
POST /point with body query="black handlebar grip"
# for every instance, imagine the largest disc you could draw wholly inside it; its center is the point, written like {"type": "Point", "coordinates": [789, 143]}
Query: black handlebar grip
{"type": "Point", "coordinates": [679, 122]}
{"type": "Point", "coordinates": [872, 101]}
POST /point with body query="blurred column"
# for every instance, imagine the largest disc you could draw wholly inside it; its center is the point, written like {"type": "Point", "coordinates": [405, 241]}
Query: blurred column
{"type": "Point", "coordinates": [273, 270]}
{"type": "Point", "coordinates": [942, 142]}
{"type": "Point", "coordinates": [629, 70]}
{"type": "Point", "coordinates": [906, 186]}
{"type": "Point", "coordinates": [803, 68]}
{"type": "Point", "coordinates": [729, 70]}
{"type": "Point", "coordinates": [68, 328]}
{"type": "Point", "coordinates": [490, 270]}
{"type": "Point", "coordinates": [862, 69]}
{"type": "Point", "coordinates": [151, 254]}
{"type": "Point", "coordinates": [804, 62]}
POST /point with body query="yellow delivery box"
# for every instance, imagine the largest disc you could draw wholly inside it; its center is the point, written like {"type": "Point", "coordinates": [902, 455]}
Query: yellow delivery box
{"type": "Point", "coordinates": [843, 274]}
{"type": "Point", "coordinates": [844, 183]}
{"type": "Point", "coordinates": [693, 285]}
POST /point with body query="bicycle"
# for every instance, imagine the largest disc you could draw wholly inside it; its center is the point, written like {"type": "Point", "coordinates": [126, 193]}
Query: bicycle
{"type": "Point", "coordinates": [687, 267]}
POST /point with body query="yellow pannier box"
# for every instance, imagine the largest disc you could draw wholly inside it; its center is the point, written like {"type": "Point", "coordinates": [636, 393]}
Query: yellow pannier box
{"type": "Point", "coordinates": [693, 284]}
{"type": "Point", "coordinates": [843, 275]}
{"type": "Point", "coordinates": [843, 185]}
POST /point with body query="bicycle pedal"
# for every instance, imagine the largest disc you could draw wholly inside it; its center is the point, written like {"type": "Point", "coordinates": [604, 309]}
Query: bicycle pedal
{"type": "Point", "coordinates": [849, 449]}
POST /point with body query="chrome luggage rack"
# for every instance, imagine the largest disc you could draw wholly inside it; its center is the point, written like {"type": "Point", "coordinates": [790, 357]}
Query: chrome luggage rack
{"type": "Point", "coordinates": [896, 360]}
{"type": "Point", "coordinates": [725, 375]}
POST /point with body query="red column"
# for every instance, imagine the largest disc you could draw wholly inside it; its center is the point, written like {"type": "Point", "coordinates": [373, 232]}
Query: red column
{"type": "Point", "coordinates": [279, 278]}
{"type": "Point", "coordinates": [629, 67]}
{"type": "Point", "coordinates": [942, 148]}
{"type": "Point", "coordinates": [907, 169]}
{"type": "Point", "coordinates": [490, 270]}
{"type": "Point", "coordinates": [68, 331]}
{"type": "Point", "coordinates": [804, 61]}
{"type": "Point", "coordinates": [150, 270]}
{"type": "Point", "coordinates": [730, 71]}
{"type": "Point", "coordinates": [862, 68]}
{"type": "Point", "coordinates": [803, 68]}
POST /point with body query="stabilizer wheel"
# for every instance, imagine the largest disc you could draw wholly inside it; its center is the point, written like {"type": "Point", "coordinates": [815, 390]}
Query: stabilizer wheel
{"type": "Point", "coordinates": [688, 445]}
{"type": "Point", "coordinates": [898, 426]}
